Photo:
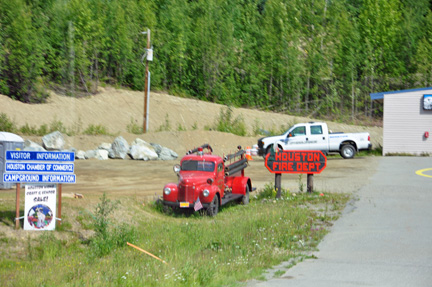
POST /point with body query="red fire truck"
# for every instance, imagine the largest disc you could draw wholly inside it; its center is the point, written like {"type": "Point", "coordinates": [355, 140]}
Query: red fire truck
{"type": "Point", "coordinates": [208, 181]}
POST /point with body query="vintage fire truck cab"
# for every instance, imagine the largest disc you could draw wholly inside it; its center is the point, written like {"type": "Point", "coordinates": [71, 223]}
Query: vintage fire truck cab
{"type": "Point", "coordinates": [206, 181]}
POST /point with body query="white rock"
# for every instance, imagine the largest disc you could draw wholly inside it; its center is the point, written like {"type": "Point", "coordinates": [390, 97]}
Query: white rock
{"type": "Point", "coordinates": [53, 141]}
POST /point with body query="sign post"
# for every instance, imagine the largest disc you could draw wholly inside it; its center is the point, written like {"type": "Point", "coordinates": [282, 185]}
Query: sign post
{"type": "Point", "coordinates": [43, 169]}
{"type": "Point", "coordinates": [309, 162]}
{"type": "Point", "coordinates": [18, 188]}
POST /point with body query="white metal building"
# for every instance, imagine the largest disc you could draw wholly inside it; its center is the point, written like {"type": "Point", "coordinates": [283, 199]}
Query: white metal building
{"type": "Point", "coordinates": [407, 121]}
{"type": "Point", "coordinates": [8, 141]}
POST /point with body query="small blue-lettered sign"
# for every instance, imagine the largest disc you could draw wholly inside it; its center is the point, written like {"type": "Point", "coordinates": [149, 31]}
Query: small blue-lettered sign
{"type": "Point", "coordinates": [39, 167]}
{"type": "Point", "coordinates": [40, 155]}
{"type": "Point", "coordinates": [39, 178]}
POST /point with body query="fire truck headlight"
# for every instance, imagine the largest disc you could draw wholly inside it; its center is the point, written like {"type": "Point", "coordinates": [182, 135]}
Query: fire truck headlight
{"type": "Point", "coordinates": [167, 190]}
{"type": "Point", "coordinates": [206, 192]}
{"type": "Point", "coordinates": [176, 168]}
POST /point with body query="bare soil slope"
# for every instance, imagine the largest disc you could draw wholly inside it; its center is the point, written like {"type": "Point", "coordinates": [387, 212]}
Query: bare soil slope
{"type": "Point", "coordinates": [185, 119]}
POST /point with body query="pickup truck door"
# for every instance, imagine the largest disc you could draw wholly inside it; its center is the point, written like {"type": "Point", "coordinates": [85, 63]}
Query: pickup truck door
{"type": "Point", "coordinates": [296, 139]}
{"type": "Point", "coordinates": [318, 137]}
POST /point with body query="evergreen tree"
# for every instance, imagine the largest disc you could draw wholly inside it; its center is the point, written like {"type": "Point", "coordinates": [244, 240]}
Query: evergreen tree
{"type": "Point", "coordinates": [21, 72]}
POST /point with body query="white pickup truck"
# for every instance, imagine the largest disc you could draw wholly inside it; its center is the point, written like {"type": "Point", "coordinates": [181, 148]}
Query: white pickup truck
{"type": "Point", "coordinates": [316, 136]}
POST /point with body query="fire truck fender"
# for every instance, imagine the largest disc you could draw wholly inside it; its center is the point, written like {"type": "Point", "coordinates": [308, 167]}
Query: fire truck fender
{"type": "Point", "coordinates": [173, 192]}
{"type": "Point", "coordinates": [239, 185]}
{"type": "Point", "coordinates": [214, 190]}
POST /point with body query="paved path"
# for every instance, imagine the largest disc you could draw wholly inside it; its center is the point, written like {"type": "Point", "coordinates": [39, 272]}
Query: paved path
{"type": "Point", "coordinates": [383, 239]}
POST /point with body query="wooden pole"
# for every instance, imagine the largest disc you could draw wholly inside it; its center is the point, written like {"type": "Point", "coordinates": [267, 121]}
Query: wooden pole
{"type": "Point", "coordinates": [310, 183]}
{"type": "Point", "coordinates": [278, 184]}
{"type": "Point", "coordinates": [59, 203]}
{"type": "Point", "coordinates": [146, 252]}
{"type": "Point", "coordinates": [146, 86]}
{"type": "Point", "coordinates": [17, 215]}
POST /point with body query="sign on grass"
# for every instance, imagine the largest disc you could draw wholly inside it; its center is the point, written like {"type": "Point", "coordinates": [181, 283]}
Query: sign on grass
{"type": "Point", "coordinates": [290, 161]}
{"type": "Point", "coordinates": [40, 207]}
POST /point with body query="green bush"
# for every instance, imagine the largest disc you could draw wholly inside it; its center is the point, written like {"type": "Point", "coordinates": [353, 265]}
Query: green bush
{"type": "Point", "coordinates": [96, 130]}
{"type": "Point", "coordinates": [226, 123]}
{"type": "Point", "coordinates": [166, 126]}
{"type": "Point", "coordinates": [134, 128]}
{"type": "Point", "coordinates": [6, 124]}
{"type": "Point", "coordinates": [108, 236]}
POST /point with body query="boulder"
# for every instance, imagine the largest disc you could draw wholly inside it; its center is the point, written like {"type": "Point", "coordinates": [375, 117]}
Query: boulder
{"type": "Point", "coordinates": [101, 154]}
{"type": "Point", "coordinates": [105, 146]}
{"type": "Point", "coordinates": [120, 148]}
{"type": "Point", "coordinates": [80, 154]}
{"type": "Point", "coordinates": [32, 146]}
{"type": "Point", "coordinates": [53, 141]}
{"type": "Point", "coordinates": [167, 154]}
{"type": "Point", "coordinates": [164, 153]}
{"type": "Point", "coordinates": [90, 154]}
{"type": "Point", "coordinates": [141, 150]}
{"type": "Point", "coordinates": [157, 148]}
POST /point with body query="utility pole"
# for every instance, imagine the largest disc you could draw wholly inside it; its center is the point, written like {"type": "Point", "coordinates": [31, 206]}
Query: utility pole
{"type": "Point", "coordinates": [149, 57]}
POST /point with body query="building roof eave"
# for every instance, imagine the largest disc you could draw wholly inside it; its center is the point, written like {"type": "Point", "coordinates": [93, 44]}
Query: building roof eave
{"type": "Point", "coordinates": [380, 96]}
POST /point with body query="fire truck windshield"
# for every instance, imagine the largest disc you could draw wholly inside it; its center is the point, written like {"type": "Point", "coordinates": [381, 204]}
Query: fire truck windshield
{"type": "Point", "coordinates": [193, 165]}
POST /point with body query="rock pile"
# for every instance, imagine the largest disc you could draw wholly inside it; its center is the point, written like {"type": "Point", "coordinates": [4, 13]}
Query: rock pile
{"type": "Point", "coordinates": [118, 149]}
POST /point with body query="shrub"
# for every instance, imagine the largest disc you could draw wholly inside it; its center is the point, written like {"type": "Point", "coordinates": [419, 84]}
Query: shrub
{"type": "Point", "coordinates": [226, 123]}
{"type": "Point", "coordinates": [6, 124]}
{"type": "Point", "coordinates": [108, 235]}
{"type": "Point", "coordinates": [134, 128]}
{"type": "Point", "coordinates": [96, 130]}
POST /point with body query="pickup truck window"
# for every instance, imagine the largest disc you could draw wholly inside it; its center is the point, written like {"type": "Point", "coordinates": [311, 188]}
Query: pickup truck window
{"type": "Point", "coordinates": [316, 130]}
{"type": "Point", "coordinates": [194, 165]}
{"type": "Point", "coordinates": [299, 131]}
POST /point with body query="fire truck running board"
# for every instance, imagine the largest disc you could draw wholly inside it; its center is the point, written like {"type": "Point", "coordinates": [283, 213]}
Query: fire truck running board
{"type": "Point", "coordinates": [230, 197]}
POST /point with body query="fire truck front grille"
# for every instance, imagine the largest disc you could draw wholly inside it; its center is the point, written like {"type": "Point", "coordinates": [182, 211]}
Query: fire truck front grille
{"type": "Point", "coordinates": [186, 193]}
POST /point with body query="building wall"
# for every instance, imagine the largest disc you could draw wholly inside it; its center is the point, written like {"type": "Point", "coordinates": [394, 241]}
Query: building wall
{"type": "Point", "coordinates": [405, 123]}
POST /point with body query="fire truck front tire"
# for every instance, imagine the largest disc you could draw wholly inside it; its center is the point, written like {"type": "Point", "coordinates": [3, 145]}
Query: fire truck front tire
{"type": "Point", "coordinates": [213, 207]}
{"type": "Point", "coordinates": [245, 198]}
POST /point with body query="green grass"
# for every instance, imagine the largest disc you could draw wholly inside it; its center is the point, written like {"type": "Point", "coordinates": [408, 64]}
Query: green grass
{"type": "Point", "coordinates": [166, 126]}
{"type": "Point", "coordinates": [226, 123]}
{"type": "Point", "coordinates": [96, 130]}
{"type": "Point", "coordinates": [6, 124]}
{"type": "Point", "coordinates": [134, 128]}
{"type": "Point", "coordinates": [239, 244]}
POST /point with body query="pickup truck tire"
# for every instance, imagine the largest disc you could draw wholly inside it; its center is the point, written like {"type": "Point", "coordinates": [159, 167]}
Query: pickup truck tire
{"type": "Point", "coordinates": [347, 151]}
{"type": "Point", "coordinates": [213, 207]}
{"type": "Point", "coordinates": [245, 198]}
{"type": "Point", "coordinates": [268, 150]}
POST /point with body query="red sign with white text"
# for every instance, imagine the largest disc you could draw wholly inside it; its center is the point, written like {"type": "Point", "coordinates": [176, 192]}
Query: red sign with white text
{"type": "Point", "coordinates": [296, 161]}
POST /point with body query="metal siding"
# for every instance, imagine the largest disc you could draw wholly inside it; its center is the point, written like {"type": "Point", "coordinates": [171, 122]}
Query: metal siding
{"type": "Point", "coordinates": [405, 122]}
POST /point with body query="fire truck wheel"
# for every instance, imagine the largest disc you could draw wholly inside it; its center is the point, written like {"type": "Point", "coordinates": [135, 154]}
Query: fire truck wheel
{"type": "Point", "coordinates": [213, 208]}
{"type": "Point", "coordinates": [245, 198]}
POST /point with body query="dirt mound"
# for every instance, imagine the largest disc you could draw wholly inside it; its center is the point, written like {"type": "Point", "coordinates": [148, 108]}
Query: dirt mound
{"type": "Point", "coordinates": [178, 123]}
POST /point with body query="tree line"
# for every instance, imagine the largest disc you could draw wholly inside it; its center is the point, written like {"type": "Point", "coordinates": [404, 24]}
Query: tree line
{"type": "Point", "coordinates": [310, 57]}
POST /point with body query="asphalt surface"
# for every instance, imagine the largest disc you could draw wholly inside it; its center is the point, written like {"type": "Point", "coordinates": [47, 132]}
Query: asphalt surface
{"type": "Point", "coordinates": [383, 239]}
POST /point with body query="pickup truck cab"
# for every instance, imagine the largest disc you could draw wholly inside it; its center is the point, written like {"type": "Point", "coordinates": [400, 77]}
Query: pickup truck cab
{"type": "Point", "coordinates": [316, 136]}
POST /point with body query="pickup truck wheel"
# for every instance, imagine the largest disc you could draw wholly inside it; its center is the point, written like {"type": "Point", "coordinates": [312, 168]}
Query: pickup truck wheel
{"type": "Point", "coordinates": [268, 150]}
{"type": "Point", "coordinates": [347, 151]}
{"type": "Point", "coordinates": [213, 208]}
{"type": "Point", "coordinates": [245, 198]}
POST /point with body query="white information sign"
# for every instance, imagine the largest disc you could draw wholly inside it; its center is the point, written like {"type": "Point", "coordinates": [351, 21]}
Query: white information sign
{"type": "Point", "coordinates": [40, 207]}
